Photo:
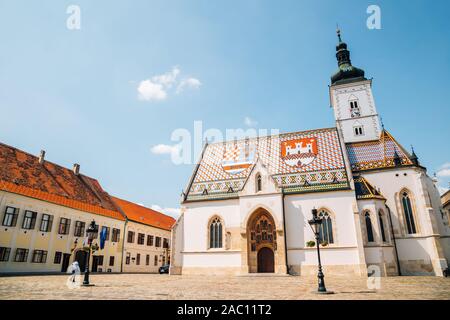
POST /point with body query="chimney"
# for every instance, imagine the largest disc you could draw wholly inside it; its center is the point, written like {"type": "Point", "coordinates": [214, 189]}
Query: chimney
{"type": "Point", "coordinates": [42, 157]}
{"type": "Point", "coordinates": [76, 169]}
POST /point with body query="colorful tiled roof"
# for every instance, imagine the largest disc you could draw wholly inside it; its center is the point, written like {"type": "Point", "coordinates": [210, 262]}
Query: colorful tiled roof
{"type": "Point", "coordinates": [305, 161]}
{"type": "Point", "coordinates": [364, 190]}
{"type": "Point", "coordinates": [144, 215]}
{"type": "Point", "coordinates": [21, 173]}
{"type": "Point", "coordinates": [377, 154]}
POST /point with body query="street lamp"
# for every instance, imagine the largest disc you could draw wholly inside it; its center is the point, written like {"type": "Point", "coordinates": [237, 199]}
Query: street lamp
{"type": "Point", "coordinates": [315, 224]}
{"type": "Point", "coordinates": [91, 233]}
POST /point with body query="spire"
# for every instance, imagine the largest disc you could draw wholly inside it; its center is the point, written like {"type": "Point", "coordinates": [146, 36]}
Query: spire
{"type": "Point", "coordinates": [414, 158]}
{"type": "Point", "coordinates": [397, 159]}
{"type": "Point", "coordinates": [346, 72]}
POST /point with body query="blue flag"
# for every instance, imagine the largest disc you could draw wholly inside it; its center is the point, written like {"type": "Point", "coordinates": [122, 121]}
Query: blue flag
{"type": "Point", "coordinates": [102, 238]}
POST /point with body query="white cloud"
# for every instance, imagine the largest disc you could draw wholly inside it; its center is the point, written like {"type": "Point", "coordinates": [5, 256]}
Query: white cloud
{"type": "Point", "coordinates": [173, 212]}
{"type": "Point", "coordinates": [442, 190]}
{"type": "Point", "coordinates": [166, 149]}
{"type": "Point", "coordinates": [444, 170]}
{"type": "Point", "coordinates": [158, 87]}
{"type": "Point", "coordinates": [249, 122]}
{"type": "Point", "coordinates": [191, 83]}
{"type": "Point", "coordinates": [149, 91]}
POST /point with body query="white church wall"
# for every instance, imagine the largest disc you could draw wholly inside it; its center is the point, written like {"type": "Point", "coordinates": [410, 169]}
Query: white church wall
{"type": "Point", "coordinates": [340, 256]}
{"type": "Point", "coordinates": [418, 253]}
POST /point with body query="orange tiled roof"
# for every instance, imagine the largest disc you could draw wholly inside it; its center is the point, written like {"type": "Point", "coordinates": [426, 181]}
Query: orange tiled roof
{"type": "Point", "coordinates": [21, 173]}
{"type": "Point", "coordinates": [145, 215]}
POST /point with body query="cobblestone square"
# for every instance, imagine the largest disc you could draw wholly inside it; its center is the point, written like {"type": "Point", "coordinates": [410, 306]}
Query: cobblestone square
{"type": "Point", "coordinates": [154, 286]}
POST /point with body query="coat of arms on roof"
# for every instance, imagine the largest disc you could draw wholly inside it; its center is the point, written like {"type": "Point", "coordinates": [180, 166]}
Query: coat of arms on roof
{"type": "Point", "coordinates": [299, 152]}
{"type": "Point", "coordinates": [238, 157]}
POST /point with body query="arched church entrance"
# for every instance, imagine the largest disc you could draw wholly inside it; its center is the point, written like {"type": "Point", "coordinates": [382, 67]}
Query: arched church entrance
{"type": "Point", "coordinates": [262, 242]}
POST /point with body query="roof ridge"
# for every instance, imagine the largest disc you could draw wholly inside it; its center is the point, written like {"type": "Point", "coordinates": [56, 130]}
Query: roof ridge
{"type": "Point", "coordinates": [273, 135]}
{"type": "Point", "coordinates": [36, 157]}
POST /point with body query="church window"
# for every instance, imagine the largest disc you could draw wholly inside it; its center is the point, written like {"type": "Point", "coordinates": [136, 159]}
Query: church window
{"type": "Point", "coordinates": [354, 107]}
{"type": "Point", "coordinates": [408, 213]}
{"type": "Point", "coordinates": [383, 232]}
{"type": "Point", "coordinates": [369, 228]}
{"type": "Point", "coordinates": [326, 227]}
{"type": "Point", "coordinates": [358, 130]}
{"type": "Point", "coordinates": [215, 233]}
{"type": "Point", "coordinates": [258, 183]}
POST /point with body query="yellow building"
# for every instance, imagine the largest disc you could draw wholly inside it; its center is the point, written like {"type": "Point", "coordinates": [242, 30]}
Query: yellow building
{"type": "Point", "coordinates": [147, 234]}
{"type": "Point", "coordinates": [45, 210]}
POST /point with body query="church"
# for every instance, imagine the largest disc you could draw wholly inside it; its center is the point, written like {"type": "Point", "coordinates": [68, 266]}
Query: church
{"type": "Point", "coordinates": [247, 204]}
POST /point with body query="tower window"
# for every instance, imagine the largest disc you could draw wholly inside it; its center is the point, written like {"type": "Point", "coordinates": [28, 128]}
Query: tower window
{"type": "Point", "coordinates": [354, 107]}
{"type": "Point", "coordinates": [408, 213]}
{"type": "Point", "coordinates": [358, 130]}
{"type": "Point", "coordinates": [258, 183]}
{"type": "Point", "coordinates": [369, 228]}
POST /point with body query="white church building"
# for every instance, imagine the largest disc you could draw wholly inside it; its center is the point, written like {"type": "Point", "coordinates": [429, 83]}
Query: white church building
{"type": "Point", "coordinates": [247, 205]}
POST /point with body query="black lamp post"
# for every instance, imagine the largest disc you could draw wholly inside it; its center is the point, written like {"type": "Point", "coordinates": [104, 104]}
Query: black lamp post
{"type": "Point", "coordinates": [91, 232]}
{"type": "Point", "coordinates": [315, 223]}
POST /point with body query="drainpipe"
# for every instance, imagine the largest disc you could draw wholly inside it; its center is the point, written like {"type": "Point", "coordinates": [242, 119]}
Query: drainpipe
{"type": "Point", "coordinates": [395, 243]}
{"type": "Point", "coordinates": [285, 237]}
{"type": "Point", "coordinates": [123, 244]}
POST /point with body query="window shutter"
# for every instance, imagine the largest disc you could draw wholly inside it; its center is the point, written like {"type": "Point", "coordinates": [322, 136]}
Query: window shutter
{"type": "Point", "coordinates": [50, 223]}
{"type": "Point", "coordinates": [33, 220]}
{"type": "Point", "coordinates": [14, 220]}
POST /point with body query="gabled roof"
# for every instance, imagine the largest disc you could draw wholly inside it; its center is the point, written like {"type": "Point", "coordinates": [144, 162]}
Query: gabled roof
{"type": "Point", "coordinates": [141, 214]}
{"type": "Point", "coordinates": [21, 173]}
{"type": "Point", "coordinates": [377, 154]}
{"type": "Point", "coordinates": [225, 166]}
{"type": "Point", "coordinates": [364, 190]}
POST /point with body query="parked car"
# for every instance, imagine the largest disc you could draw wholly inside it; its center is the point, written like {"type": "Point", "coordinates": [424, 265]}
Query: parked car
{"type": "Point", "coordinates": [164, 269]}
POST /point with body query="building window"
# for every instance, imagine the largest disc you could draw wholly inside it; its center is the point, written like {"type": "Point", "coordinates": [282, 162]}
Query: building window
{"type": "Point", "coordinates": [147, 260]}
{"type": "Point", "coordinates": [64, 226]}
{"type": "Point", "coordinates": [369, 228]}
{"type": "Point", "coordinates": [97, 227]}
{"type": "Point", "coordinates": [127, 258]}
{"type": "Point", "coordinates": [111, 261]}
{"type": "Point", "coordinates": [158, 242]}
{"type": "Point", "coordinates": [156, 261]}
{"type": "Point", "coordinates": [215, 233]}
{"type": "Point", "coordinates": [354, 109]}
{"type": "Point", "coordinates": [79, 228]}
{"type": "Point", "coordinates": [4, 253]}
{"type": "Point", "coordinates": [29, 220]}
{"type": "Point", "coordinates": [46, 223]}
{"type": "Point", "coordinates": [258, 183]}
{"type": "Point", "coordinates": [165, 243]}
{"type": "Point", "coordinates": [383, 232]}
{"type": "Point", "coordinates": [107, 232]}
{"type": "Point", "coordinates": [141, 238]}
{"type": "Point", "coordinates": [10, 217]}
{"type": "Point", "coordinates": [359, 131]}
{"type": "Point", "coordinates": [39, 256]}
{"type": "Point", "coordinates": [115, 235]}
{"type": "Point", "coordinates": [326, 228]}
{"type": "Point", "coordinates": [408, 213]}
{"type": "Point", "coordinates": [130, 237]}
{"type": "Point", "coordinates": [149, 240]}
{"type": "Point", "coordinates": [58, 256]}
{"type": "Point", "coordinates": [138, 259]}
{"type": "Point", "coordinates": [21, 255]}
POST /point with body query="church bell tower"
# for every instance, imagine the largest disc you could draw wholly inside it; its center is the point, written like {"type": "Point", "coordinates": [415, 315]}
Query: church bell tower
{"type": "Point", "coordinates": [352, 100]}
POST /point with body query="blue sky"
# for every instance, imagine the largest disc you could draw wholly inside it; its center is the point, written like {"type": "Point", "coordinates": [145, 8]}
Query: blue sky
{"type": "Point", "coordinates": [75, 94]}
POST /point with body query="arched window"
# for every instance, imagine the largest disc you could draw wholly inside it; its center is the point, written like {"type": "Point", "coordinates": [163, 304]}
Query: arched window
{"type": "Point", "coordinates": [369, 227]}
{"type": "Point", "coordinates": [215, 233]}
{"type": "Point", "coordinates": [258, 183]}
{"type": "Point", "coordinates": [326, 227]}
{"type": "Point", "coordinates": [381, 219]}
{"type": "Point", "coordinates": [408, 213]}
